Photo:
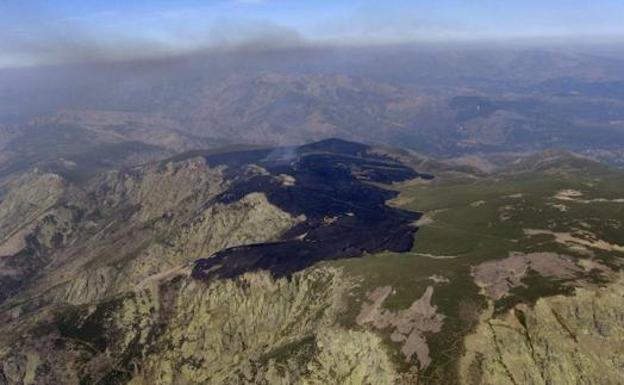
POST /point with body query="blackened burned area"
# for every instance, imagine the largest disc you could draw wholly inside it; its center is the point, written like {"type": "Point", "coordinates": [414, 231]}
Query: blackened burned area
{"type": "Point", "coordinates": [346, 216]}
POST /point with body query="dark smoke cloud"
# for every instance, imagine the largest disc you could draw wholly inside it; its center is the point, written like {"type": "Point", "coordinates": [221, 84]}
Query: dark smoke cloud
{"type": "Point", "coordinates": [49, 38]}
{"type": "Point", "coordinates": [54, 40]}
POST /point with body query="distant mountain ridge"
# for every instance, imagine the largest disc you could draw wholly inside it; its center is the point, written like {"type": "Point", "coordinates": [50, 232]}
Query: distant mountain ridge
{"type": "Point", "coordinates": [442, 102]}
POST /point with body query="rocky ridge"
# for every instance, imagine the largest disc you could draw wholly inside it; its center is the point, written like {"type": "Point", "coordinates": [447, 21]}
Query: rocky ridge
{"type": "Point", "coordinates": [560, 340]}
{"type": "Point", "coordinates": [113, 300]}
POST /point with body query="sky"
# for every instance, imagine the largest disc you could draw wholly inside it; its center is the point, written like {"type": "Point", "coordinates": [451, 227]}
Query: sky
{"type": "Point", "coordinates": [34, 32]}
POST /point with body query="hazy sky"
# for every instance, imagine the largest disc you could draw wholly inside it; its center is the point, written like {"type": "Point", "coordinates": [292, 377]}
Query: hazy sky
{"type": "Point", "coordinates": [38, 31]}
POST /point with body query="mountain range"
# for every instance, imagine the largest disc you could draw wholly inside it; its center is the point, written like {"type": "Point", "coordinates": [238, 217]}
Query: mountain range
{"type": "Point", "coordinates": [390, 215]}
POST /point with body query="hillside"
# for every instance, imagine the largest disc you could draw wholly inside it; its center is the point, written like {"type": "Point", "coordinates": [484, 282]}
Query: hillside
{"type": "Point", "coordinates": [328, 262]}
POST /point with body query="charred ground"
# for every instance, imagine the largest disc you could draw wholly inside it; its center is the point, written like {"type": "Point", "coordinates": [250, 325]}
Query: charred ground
{"type": "Point", "coordinates": [332, 184]}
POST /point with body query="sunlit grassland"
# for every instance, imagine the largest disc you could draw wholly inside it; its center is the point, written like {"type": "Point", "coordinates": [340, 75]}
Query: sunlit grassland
{"type": "Point", "coordinates": [475, 219]}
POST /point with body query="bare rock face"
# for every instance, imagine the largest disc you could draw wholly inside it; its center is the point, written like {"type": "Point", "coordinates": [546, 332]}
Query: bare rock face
{"type": "Point", "coordinates": [222, 333]}
{"type": "Point", "coordinates": [496, 278]}
{"type": "Point", "coordinates": [408, 326]}
{"type": "Point", "coordinates": [251, 220]}
{"type": "Point", "coordinates": [157, 189]}
{"type": "Point", "coordinates": [28, 197]}
{"type": "Point", "coordinates": [251, 330]}
{"type": "Point", "coordinates": [33, 221]}
{"type": "Point", "coordinates": [351, 358]}
{"type": "Point", "coordinates": [70, 244]}
{"type": "Point", "coordinates": [561, 340]}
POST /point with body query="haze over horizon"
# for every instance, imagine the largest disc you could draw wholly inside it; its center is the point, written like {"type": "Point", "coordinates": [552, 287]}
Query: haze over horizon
{"type": "Point", "coordinates": [69, 31]}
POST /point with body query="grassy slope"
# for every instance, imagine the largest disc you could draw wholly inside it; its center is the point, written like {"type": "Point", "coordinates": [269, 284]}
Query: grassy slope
{"type": "Point", "coordinates": [479, 219]}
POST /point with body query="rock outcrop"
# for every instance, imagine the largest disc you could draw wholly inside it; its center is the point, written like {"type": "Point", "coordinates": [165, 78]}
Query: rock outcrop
{"type": "Point", "coordinates": [408, 326]}
{"type": "Point", "coordinates": [108, 297]}
{"type": "Point", "coordinates": [251, 330]}
{"type": "Point", "coordinates": [567, 340]}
